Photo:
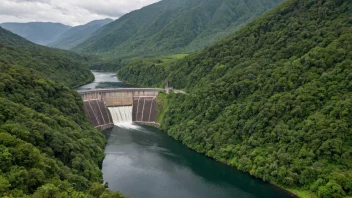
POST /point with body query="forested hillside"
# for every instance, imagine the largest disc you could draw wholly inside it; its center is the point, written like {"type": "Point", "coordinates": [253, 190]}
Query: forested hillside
{"type": "Point", "coordinates": [173, 26]}
{"type": "Point", "coordinates": [78, 34]}
{"type": "Point", "coordinates": [41, 33]}
{"type": "Point", "coordinates": [274, 99]}
{"type": "Point", "coordinates": [65, 67]}
{"type": "Point", "coordinates": [47, 146]}
{"type": "Point", "coordinates": [149, 72]}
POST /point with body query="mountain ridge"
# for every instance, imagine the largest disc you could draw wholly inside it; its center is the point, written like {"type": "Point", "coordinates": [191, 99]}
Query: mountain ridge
{"type": "Point", "coordinates": [41, 33]}
{"type": "Point", "coordinates": [78, 34]}
{"type": "Point", "coordinates": [171, 26]}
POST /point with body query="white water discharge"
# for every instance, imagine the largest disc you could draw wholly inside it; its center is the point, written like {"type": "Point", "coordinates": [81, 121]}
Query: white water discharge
{"type": "Point", "coordinates": [121, 116]}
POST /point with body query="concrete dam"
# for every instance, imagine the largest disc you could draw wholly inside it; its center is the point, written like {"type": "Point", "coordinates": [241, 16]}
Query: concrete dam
{"type": "Point", "coordinates": [108, 107]}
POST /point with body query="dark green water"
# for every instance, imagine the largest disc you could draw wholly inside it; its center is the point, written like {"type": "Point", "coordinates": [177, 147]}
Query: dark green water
{"type": "Point", "coordinates": [144, 162]}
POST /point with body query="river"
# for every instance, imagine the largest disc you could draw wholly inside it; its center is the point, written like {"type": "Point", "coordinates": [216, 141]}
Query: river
{"type": "Point", "coordinates": [144, 162]}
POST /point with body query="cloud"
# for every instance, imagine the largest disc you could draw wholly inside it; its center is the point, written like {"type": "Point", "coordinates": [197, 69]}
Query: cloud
{"type": "Point", "coordinates": [69, 12]}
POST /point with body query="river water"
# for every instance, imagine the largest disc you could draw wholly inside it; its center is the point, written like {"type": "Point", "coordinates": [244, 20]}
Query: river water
{"type": "Point", "coordinates": [144, 162]}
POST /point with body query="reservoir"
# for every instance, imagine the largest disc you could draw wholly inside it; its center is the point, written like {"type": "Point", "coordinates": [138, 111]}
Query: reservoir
{"type": "Point", "coordinates": [144, 162]}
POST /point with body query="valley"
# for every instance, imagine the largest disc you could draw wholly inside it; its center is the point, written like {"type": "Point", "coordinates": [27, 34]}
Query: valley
{"type": "Point", "coordinates": [259, 105]}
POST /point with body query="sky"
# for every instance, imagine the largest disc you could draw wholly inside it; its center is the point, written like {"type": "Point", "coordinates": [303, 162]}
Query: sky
{"type": "Point", "coordinates": [68, 12]}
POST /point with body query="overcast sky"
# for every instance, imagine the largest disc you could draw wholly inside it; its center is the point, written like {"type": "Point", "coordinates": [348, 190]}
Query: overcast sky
{"type": "Point", "coordinates": [69, 12]}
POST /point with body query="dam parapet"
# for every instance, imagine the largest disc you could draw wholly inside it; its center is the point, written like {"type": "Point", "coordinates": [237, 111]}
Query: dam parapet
{"type": "Point", "coordinates": [142, 100]}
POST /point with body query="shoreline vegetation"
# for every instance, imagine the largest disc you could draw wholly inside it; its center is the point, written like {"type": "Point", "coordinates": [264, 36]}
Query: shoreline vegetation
{"type": "Point", "coordinates": [163, 107]}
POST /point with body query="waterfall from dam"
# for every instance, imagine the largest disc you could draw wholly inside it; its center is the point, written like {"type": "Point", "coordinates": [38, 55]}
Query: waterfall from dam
{"type": "Point", "coordinates": [121, 115]}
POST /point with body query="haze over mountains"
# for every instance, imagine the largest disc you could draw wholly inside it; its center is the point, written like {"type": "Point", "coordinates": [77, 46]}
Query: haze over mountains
{"type": "Point", "coordinates": [55, 34]}
{"type": "Point", "coordinates": [78, 34]}
{"type": "Point", "coordinates": [173, 27]}
{"type": "Point", "coordinates": [41, 33]}
{"type": "Point", "coordinates": [166, 27]}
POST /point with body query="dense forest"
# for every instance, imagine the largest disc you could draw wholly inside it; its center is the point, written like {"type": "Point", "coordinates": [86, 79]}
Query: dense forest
{"type": "Point", "coordinates": [47, 146]}
{"type": "Point", "coordinates": [173, 26]}
{"type": "Point", "coordinates": [274, 99]}
{"type": "Point", "coordinates": [149, 72]}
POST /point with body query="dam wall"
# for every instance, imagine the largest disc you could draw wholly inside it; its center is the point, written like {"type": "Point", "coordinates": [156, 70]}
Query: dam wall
{"type": "Point", "coordinates": [118, 97]}
{"type": "Point", "coordinates": [97, 114]}
{"type": "Point", "coordinates": [143, 102]}
{"type": "Point", "coordinates": [144, 110]}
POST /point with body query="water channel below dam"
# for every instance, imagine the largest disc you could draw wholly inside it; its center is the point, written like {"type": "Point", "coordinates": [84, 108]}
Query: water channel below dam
{"type": "Point", "coordinates": [144, 162]}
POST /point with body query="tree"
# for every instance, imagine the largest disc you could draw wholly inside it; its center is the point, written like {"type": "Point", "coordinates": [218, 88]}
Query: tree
{"type": "Point", "coordinates": [4, 185]}
{"type": "Point", "coordinates": [331, 189]}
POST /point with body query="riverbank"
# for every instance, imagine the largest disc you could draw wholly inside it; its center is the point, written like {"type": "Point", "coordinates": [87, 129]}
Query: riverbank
{"type": "Point", "coordinates": [163, 107]}
{"type": "Point", "coordinates": [296, 193]}
{"type": "Point", "coordinates": [88, 81]}
{"type": "Point", "coordinates": [301, 193]}
{"type": "Point", "coordinates": [142, 161]}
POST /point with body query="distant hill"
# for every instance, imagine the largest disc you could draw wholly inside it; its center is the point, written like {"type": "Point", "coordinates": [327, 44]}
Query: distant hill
{"type": "Point", "coordinates": [173, 26]}
{"type": "Point", "coordinates": [41, 33]}
{"type": "Point", "coordinates": [77, 35]}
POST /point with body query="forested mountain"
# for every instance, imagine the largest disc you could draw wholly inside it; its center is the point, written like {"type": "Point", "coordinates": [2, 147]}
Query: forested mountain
{"type": "Point", "coordinates": [47, 146]}
{"type": "Point", "coordinates": [274, 99]}
{"type": "Point", "coordinates": [41, 33]}
{"type": "Point", "coordinates": [78, 34]}
{"type": "Point", "coordinates": [173, 26]}
{"type": "Point", "coordinates": [58, 65]}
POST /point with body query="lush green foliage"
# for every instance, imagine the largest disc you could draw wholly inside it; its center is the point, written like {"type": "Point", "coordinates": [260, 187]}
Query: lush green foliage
{"type": "Point", "coordinates": [274, 99]}
{"type": "Point", "coordinates": [148, 72]}
{"type": "Point", "coordinates": [78, 34]}
{"type": "Point", "coordinates": [107, 63]}
{"type": "Point", "coordinates": [38, 32]}
{"type": "Point", "coordinates": [58, 65]}
{"type": "Point", "coordinates": [163, 106]}
{"type": "Point", "coordinates": [173, 26]}
{"type": "Point", "coordinates": [47, 146]}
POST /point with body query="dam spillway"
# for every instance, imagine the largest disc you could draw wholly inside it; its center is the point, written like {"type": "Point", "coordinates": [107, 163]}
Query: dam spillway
{"type": "Point", "coordinates": [108, 107]}
{"type": "Point", "coordinates": [121, 115]}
